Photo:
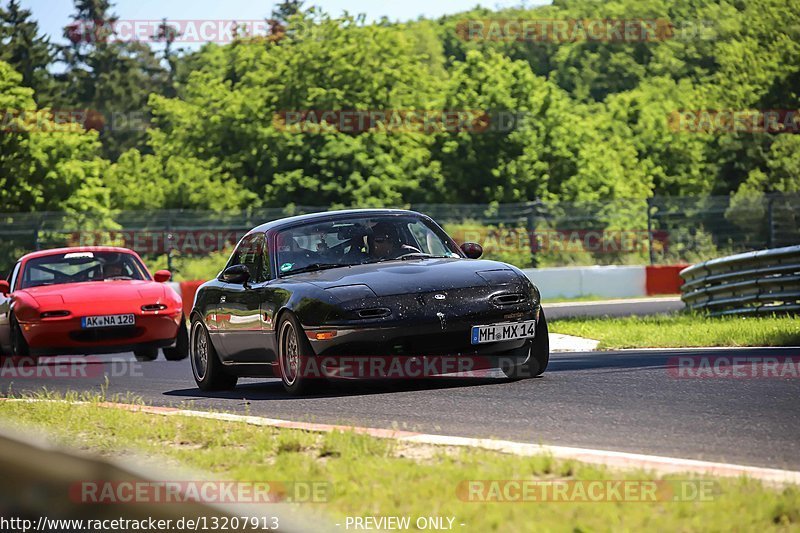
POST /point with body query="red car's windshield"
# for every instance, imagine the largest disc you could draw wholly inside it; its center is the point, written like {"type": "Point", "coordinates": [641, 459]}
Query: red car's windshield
{"type": "Point", "coordinates": [77, 267]}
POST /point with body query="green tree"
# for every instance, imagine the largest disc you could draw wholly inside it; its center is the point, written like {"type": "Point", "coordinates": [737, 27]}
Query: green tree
{"type": "Point", "coordinates": [46, 165]}
{"type": "Point", "coordinates": [25, 50]}
{"type": "Point", "coordinates": [230, 112]}
{"type": "Point", "coordinates": [109, 76]}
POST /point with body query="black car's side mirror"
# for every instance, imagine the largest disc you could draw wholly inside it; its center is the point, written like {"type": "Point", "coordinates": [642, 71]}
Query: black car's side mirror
{"type": "Point", "coordinates": [473, 250]}
{"type": "Point", "coordinates": [236, 274]}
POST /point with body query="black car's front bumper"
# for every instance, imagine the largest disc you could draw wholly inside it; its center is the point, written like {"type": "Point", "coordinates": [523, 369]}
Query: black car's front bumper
{"type": "Point", "coordinates": [439, 337]}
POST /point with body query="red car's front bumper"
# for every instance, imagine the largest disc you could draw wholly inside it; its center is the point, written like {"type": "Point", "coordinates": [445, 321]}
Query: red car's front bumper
{"type": "Point", "coordinates": [65, 336]}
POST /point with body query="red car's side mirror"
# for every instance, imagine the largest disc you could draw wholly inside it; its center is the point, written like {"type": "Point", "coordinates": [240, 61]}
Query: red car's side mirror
{"type": "Point", "coordinates": [162, 275]}
{"type": "Point", "coordinates": [4, 287]}
{"type": "Point", "coordinates": [473, 250]}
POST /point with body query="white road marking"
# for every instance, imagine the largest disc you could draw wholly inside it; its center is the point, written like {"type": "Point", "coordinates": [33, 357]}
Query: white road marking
{"type": "Point", "coordinates": [570, 343]}
{"type": "Point", "coordinates": [612, 459]}
{"type": "Point", "coordinates": [619, 301]}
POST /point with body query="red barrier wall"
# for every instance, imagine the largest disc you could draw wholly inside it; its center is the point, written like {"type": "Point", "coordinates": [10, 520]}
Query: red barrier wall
{"type": "Point", "coordinates": [188, 290]}
{"type": "Point", "coordinates": [664, 279]}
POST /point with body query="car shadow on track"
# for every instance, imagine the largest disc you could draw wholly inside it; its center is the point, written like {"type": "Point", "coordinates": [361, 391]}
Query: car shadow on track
{"type": "Point", "coordinates": [610, 361]}
{"type": "Point", "coordinates": [272, 389]}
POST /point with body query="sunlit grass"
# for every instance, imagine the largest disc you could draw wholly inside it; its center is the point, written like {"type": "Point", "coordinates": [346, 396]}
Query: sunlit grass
{"type": "Point", "coordinates": [370, 476]}
{"type": "Point", "coordinates": [682, 330]}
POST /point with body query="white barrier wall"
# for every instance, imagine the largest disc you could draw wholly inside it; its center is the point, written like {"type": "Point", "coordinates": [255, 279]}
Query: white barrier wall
{"type": "Point", "coordinates": [605, 281]}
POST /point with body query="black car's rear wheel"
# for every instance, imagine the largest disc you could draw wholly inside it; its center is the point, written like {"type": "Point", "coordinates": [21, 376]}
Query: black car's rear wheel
{"type": "Point", "coordinates": [539, 356]}
{"type": "Point", "coordinates": [294, 351]}
{"type": "Point", "coordinates": [181, 349]}
{"type": "Point", "coordinates": [208, 371]}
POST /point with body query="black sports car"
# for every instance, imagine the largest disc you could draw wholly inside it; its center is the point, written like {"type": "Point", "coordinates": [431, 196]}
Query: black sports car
{"type": "Point", "coordinates": [302, 294]}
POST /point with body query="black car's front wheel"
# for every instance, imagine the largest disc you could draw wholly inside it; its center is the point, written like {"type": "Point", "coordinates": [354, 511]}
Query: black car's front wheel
{"type": "Point", "coordinates": [208, 371]}
{"type": "Point", "coordinates": [294, 352]}
{"type": "Point", "coordinates": [538, 358]}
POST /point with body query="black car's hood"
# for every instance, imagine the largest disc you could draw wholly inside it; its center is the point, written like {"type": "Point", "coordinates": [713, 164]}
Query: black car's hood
{"type": "Point", "coordinates": [415, 276]}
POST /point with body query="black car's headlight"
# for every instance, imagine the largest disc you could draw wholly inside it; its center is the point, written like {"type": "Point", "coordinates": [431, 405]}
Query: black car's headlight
{"type": "Point", "coordinates": [346, 293]}
{"type": "Point", "coordinates": [533, 291]}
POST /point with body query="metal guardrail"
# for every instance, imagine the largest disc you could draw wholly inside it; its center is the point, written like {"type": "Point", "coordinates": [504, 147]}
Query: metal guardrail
{"type": "Point", "coordinates": [753, 283]}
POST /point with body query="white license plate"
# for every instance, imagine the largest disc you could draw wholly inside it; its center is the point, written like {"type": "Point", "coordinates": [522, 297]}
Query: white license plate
{"type": "Point", "coordinates": [107, 321]}
{"type": "Point", "coordinates": [503, 332]}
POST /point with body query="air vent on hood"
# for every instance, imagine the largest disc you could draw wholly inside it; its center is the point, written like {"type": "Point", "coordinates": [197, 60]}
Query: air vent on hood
{"type": "Point", "coordinates": [51, 314]}
{"type": "Point", "coordinates": [153, 307]}
{"type": "Point", "coordinates": [375, 312]}
{"type": "Point", "coordinates": [508, 299]}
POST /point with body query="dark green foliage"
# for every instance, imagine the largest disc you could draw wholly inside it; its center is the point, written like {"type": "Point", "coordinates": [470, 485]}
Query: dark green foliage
{"type": "Point", "coordinates": [593, 118]}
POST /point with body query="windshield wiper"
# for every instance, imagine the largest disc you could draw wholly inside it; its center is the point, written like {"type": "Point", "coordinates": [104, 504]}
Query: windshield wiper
{"type": "Point", "coordinates": [411, 255]}
{"type": "Point", "coordinates": [421, 255]}
{"type": "Point", "coordinates": [314, 267]}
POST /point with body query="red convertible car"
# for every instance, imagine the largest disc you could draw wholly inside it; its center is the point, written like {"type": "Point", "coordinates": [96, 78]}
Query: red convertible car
{"type": "Point", "coordinates": [89, 300]}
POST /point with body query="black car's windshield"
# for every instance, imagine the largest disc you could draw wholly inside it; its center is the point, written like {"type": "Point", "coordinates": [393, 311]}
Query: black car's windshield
{"type": "Point", "coordinates": [359, 240]}
{"type": "Point", "coordinates": [77, 267]}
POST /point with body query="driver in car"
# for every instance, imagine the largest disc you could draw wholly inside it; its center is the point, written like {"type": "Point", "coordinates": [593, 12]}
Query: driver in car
{"type": "Point", "coordinates": [113, 270]}
{"type": "Point", "coordinates": [385, 242]}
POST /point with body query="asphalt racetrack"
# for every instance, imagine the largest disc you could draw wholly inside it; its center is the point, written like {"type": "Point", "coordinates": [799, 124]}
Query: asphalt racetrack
{"type": "Point", "coordinates": [624, 400]}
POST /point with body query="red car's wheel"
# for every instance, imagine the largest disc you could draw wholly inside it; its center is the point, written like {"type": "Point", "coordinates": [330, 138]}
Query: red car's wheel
{"type": "Point", "coordinates": [146, 354]}
{"type": "Point", "coordinates": [181, 349]}
{"type": "Point", "coordinates": [19, 346]}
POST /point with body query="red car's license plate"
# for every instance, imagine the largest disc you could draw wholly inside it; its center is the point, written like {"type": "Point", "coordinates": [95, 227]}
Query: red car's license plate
{"type": "Point", "coordinates": [107, 321]}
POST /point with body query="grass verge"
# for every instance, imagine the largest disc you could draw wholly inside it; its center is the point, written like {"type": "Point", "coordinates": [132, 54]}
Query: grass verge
{"type": "Point", "coordinates": [379, 477]}
{"type": "Point", "coordinates": [682, 330]}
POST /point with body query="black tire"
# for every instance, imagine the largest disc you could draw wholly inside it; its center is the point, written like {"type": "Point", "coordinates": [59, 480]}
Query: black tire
{"type": "Point", "coordinates": [181, 349]}
{"type": "Point", "coordinates": [19, 346]}
{"type": "Point", "coordinates": [146, 354]}
{"type": "Point", "coordinates": [294, 351]}
{"type": "Point", "coordinates": [539, 357]}
{"type": "Point", "coordinates": [207, 369]}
